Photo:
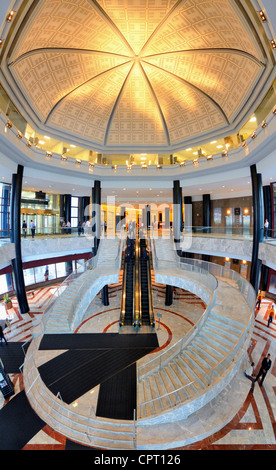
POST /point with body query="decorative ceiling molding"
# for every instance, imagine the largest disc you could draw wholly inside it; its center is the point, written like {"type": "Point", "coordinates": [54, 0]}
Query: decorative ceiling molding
{"type": "Point", "coordinates": [208, 53]}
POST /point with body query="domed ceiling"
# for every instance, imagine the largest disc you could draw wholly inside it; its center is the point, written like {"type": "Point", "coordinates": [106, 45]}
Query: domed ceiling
{"type": "Point", "coordinates": [135, 74]}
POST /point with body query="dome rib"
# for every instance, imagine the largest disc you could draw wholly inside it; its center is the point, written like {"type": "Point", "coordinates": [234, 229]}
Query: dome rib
{"type": "Point", "coordinates": [111, 23]}
{"type": "Point", "coordinates": [64, 50]}
{"type": "Point", "coordinates": [165, 19]}
{"type": "Point", "coordinates": [157, 105]}
{"type": "Point", "coordinates": [194, 87]}
{"type": "Point", "coordinates": [116, 105]}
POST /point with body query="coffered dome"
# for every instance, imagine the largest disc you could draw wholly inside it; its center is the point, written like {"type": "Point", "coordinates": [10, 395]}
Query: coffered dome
{"type": "Point", "coordinates": [126, 75]}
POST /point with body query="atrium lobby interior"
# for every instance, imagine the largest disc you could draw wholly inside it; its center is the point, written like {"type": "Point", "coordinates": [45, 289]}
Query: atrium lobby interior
{"type": "Point", "coordinates": [137, 226]}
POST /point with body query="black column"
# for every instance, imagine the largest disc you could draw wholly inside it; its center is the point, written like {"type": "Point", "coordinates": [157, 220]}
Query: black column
{"type": "Point", "coordinates": [96, 215]}
{"type": "Point", "coordinates": [168, 299]}
{"type": "Point", "coordinates": [65, 207]}
{"type": "Point", "coordinates": [105, 299]}
{"type": "Point", "coordinates": [206, 213]}
{"type": "Point", "coordinates": [148, 216]}
{"type": "Point", "coordinates": [15, 237]}
{"type": "Point", "coordinates": [268, 206]}
{"type": "Point", "coordinates": [84, 213]}
{"type": "Point", "coordinates": [258, 221]}
{"type": "Point", "coordinates": [177, 211]}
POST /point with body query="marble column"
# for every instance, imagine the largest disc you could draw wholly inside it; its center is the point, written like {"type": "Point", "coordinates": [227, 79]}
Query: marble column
{"type": "Point", "coordinates": [15, 237]}
{"type": "Point", "coordinates": [167, 217]}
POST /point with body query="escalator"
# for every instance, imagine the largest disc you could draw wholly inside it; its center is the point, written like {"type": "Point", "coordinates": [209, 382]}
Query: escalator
{"type": "Point", "coordinates": [136, 303]}
{"type": "Point", "coordinates": [144, 284]}
{"type": "Point", "coordinates": [128, 289]}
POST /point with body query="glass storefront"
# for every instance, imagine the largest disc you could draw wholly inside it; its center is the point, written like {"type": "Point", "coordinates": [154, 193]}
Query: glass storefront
{"type": "Point", "coordinates": [39, 274]}
{"type": "Point", "coordinates": [41, 209]}
{"type": "Point", "coordinates": [5, 190]}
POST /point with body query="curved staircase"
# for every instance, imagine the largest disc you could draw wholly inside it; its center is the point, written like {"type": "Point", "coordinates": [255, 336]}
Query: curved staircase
{"type": "Point", "coordinates": [177, 384]}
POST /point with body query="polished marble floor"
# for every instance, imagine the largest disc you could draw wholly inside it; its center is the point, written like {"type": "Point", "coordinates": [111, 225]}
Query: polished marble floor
{"type": "Point", "coordinates": [253, 426]}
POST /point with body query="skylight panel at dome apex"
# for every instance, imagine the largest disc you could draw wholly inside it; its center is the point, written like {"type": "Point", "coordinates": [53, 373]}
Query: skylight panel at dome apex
{"type": "Point", "coordinates": [66, 50]}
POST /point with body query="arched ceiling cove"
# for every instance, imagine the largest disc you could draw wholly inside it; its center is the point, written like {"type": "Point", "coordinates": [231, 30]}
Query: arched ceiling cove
{"type": "Point", "coordinates": [143, 74]}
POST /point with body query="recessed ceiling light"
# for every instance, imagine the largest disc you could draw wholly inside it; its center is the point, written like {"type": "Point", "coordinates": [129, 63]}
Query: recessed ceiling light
{"type": "Point", "coordinates": [46, 137]}
{"type": "Point", "coordinates": [41, 142]}
{"type": "Point", "coordinates": [213, 142]}
{"type": "Point", "coordinates": [219, 146]}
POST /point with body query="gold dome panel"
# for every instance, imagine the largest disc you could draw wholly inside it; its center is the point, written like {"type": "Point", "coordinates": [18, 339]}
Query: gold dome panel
{"type": "Point", "coordinates": [119, 75]}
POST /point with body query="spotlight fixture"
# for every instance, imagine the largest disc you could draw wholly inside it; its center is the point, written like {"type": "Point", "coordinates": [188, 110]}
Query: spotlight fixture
{"type": "Point", "coordinates": [129, 167]}
{"type": "Point", "coordinates": [8, 124]}
{"type": "Point", "coordinates": [264, 124]}
{"type": "Point", "coordinates": [91, 167]}
{"type": "Point", "coordinates": [48, 154]}
{"type": "Point", "coordinates": [273, 44]}
{"type": "Point", "coordinates": [159, 166]}
{"type": "Point", "coordinates": [262, 16]}
{"type": "Point", "coordinates": [144, 165]}
{"type": "Point", "coordinates": [195, 162]}
{"type": "Point", "coordinates": [209, 157]}
{"type": "Point", "coordinates": [78, 161]}
{"type": "Point", "coordinates": [10, 16]}
{"type": "Point", "coordinates": [182, 163]}
{"type": "Point", "coordinates": [253, 135]}
{"type": "Point", "coordinates": [19, 135]}
{"type": "Point", "coordinates": [274, 110]}
{"type": "Point", "coordinates": [29, 144]}
{"type": "Point", "coordinates": [1, 42]}
{"type": "Point", "coordinates": [244, 144]}
{"type": "Point", "coordinates": [224, 153]}
{"type": "Point", "coordinates": [64, 157]}
{"type": "Point", "coordinates": [114, 167]}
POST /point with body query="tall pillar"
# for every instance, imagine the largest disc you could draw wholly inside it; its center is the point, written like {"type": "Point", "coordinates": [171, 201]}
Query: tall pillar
{"type": "Point", "coordinates": [168, 298]}
{"type": "Point", "coordinates": [96, 215]}
{"type": "Point", "coordinates": [84, 211]}
{"type": "Point", "coordinates": [258, 221]}
{"type": "Point", "coordinates": [177, 211]}
{"type": "Point", "coordinates": [65, 207]}
{"type": "Point", "coordinates": [148, 216]}
{"type": "Point", "coordinates": [15, 237]}
{"type": "Point", "coordinates": [267, 206]}
{"type": "Point", "coordinates": [206, 213]}
{"type": "Point", "coordinates": [105, 298]}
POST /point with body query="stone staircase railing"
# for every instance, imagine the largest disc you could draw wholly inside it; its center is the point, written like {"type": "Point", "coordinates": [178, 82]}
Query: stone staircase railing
{"type": "Point", "coordinates": [69, 303]}
{"type": "Point", "coordinates": [191, 371]}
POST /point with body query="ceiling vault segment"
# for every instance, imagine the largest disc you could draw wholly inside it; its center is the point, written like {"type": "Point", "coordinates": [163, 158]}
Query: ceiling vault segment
{"type": "Point", "coordinates": [194, 87]}
{"type": "Point", "coordinates": [115, 29]}
{"type": "Point", "coordinates": [116, 104]}
{"type": "Point", "coordinates": [169, 14]}
{"type": "Point", "coordinates": [79, 86]}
